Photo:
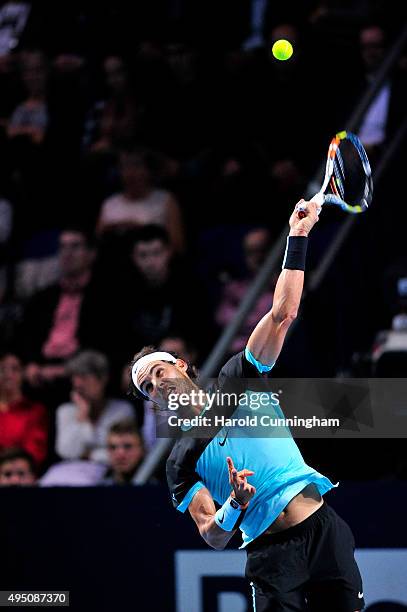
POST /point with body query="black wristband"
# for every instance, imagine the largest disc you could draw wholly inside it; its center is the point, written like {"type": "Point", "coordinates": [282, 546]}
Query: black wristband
{"type": "Point", "coordinates": [295, 253]}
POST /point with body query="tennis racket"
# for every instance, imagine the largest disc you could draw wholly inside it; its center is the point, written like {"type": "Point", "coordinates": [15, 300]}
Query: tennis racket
{"type": "Point", "coordinates": [348, 179]}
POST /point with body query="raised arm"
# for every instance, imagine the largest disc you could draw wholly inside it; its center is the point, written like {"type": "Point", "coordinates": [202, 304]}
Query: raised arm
{"type": "Point", "coordinates": [218, 527]}
{"type": "Point", "coordinates": [266, 340]}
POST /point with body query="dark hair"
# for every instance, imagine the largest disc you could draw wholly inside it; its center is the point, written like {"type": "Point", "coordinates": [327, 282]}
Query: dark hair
{"type": "Point", "coordinates": [148, 233]}
{"type": "Point", "coordinates": [126, 426]}
{"type": "Point", "coordinates": [78, 229]}
{"type": "Point", "coordinates": [11, 454]}
{"type": "Point", "coordinates": [192, 372]}
{"type": "Point", "coordinates": [176, 333]}
{"type": "Point", "coordinates": [88, 362]}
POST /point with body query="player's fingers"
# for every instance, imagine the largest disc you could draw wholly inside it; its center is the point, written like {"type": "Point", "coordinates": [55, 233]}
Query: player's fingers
{"type": "Point", "coordinates": [230, 463]}
{"type": "Point", "coordinates": [233, 476]}
{"type": "Point", "coordinates": [299, 203]}
{"type": "Point", "coordinates": [314, 206]}
{"type": "Point", "coordinates": [234, 479]}
{"type": "Point", "coordinates": [302, 208]}
{"type": "Point", "coordinates": [244, 473]}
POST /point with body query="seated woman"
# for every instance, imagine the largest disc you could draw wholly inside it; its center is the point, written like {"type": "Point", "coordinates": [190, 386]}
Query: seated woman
{"type": "Point", "coordinates": [82, 424]}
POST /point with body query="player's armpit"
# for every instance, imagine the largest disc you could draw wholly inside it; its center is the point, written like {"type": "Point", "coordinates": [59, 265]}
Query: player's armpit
{"type": "Point", "coordinates": [202, 510]}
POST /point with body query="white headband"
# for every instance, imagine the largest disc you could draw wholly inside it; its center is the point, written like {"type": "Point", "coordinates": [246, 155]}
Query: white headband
{"type": "Point", "coordinates": [143, 361]}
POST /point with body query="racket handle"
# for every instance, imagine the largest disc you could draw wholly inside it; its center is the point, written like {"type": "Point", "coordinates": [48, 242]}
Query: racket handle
{"type": "Point", "coordinates": [318, 198]}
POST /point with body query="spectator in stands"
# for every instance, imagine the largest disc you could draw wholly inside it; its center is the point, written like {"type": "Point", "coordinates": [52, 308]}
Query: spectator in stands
{"type": "Point", "coordinates": [388, 106]}
{"type": "Point", "coordinates": [16, 468]}
{"type": "Point", "coordinates": [256, 245]}
{"type": "Point", "coordinates": [175, 343]}
{"type": "Point", "coordinates": [152, 304]}
{"type": "Point", "coordinates": [153, 294]}
{"type": "Point", "coordinates": [126, 452]}
{"type": "Point", "coordinates": [30, 118]}
{"type": "Point", "coordinates": [27, 129]}
{"type": "Point", "coordinates": [64, 317]}
{"type": "Point", "coordinates": [113, 122]}
{"type": "Point", "coordinates": [83, 423]}
{"type": "Point", "coordinates": [141, 202]}
{"type": "Point", "coordinates": [23, 422]}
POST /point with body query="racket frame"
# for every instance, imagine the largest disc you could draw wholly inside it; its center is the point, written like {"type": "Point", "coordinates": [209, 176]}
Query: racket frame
{"type": "Point", "coordinates": [330, 179]}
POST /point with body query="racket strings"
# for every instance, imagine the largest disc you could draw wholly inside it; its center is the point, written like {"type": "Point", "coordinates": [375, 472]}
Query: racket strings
{"type": "Point", "coordinates": [339, 176]}
{"type": "Point", "coordinates": [351, 181]}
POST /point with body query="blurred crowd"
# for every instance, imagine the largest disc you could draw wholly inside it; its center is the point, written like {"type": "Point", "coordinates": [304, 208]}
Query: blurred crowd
{"type": "Point", "coordinates": [150, 157]}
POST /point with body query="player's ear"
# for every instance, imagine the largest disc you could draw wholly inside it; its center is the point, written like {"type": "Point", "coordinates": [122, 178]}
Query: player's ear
{"type": "Point", "coordinates": [181, 365]}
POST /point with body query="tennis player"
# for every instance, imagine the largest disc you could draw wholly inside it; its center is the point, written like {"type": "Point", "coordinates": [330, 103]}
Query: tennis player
{"type": "Point", "coordinates": [300, 553]}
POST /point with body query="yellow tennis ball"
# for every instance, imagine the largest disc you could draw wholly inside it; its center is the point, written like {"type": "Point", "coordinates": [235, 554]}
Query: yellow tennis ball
{"type": "Point", "coordinates": [282, 49]}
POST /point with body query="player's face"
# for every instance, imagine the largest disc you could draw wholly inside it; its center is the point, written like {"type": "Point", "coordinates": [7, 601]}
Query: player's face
{"type": "Point", "coordinates": [160, 379]}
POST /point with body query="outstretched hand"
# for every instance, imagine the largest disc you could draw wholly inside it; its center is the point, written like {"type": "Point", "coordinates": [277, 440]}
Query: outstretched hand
{"type": "Point", "coordinates": [242, 491]}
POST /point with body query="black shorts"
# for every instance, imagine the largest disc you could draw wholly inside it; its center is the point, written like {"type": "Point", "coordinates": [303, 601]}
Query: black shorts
{"type": "Point", "coordinates": [307, 567]}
